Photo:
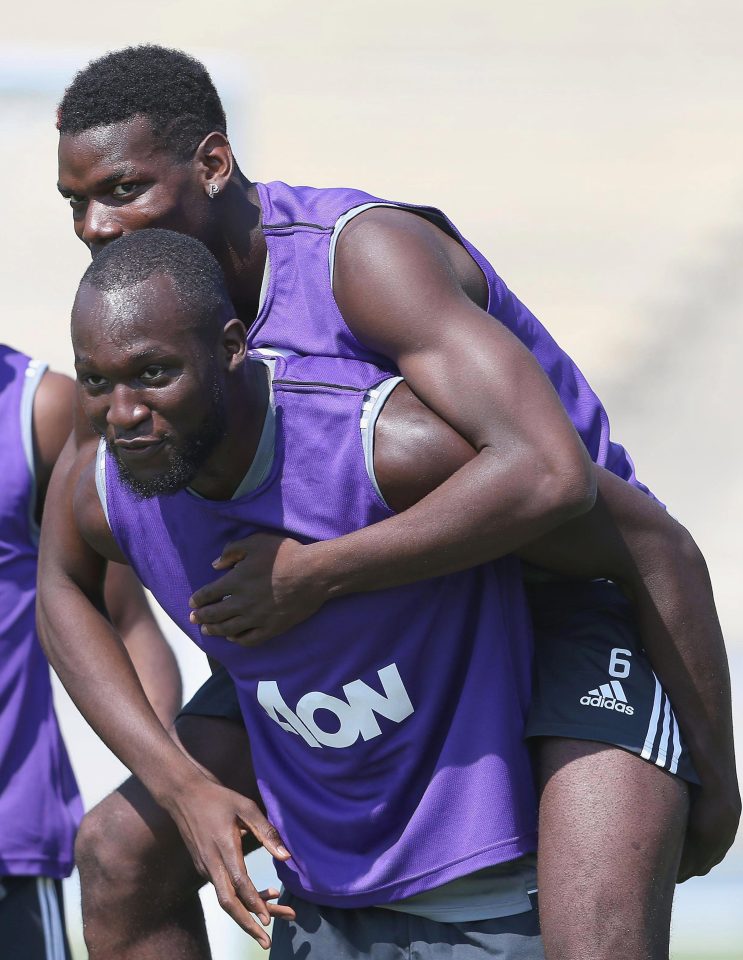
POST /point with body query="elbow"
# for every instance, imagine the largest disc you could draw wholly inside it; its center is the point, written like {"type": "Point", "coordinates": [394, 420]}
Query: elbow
{"type": "Point", "coordinates": [680, 544]}
{"type": "Point", "coordinates": [568, 487]}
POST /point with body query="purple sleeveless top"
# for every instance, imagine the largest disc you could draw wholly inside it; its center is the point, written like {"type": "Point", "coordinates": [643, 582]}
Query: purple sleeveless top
{"type": "Point", "coordinates": [386, 730]}
{"type": "Point", "coordinates": [39, 803]}
{"type": "Point", "coordinates": [300, 315]}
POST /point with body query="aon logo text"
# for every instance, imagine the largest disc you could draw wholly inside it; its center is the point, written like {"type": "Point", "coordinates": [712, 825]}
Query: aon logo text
{"type": "Point", "coordinates": [356, 716]}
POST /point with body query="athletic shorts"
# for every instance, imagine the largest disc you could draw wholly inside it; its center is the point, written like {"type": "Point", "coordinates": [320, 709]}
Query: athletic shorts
{"type": "Point", "coordinates": [592, 679]}
{"type": "Point", "coordinates": [371, 933]}
{"type": "Point", "coordinates": [32, 919]}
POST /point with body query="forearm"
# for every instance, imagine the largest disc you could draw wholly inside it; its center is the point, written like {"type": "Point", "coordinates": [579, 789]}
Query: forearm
{"type": "Point", "coordinates": [96, 671]}
{"type": "Point", "coordinates": [150, 653]}
{"type": "Point", "coordinates": [628, 537]}
{"type": "Point", "coordinates": [683, 639]}
{"type": "Point", "coordinates": [483, 511]}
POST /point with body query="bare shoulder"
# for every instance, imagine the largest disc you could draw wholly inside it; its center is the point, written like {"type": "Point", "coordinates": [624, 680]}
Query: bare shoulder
{"type": "Point", "coordinates": [52, 416]}
{"type": "Point", "coordinates": [415, 450]}
{"type": "Point", "coordinates": [383, 232]}
{"type": "Point", "coordinates": [393, 265]}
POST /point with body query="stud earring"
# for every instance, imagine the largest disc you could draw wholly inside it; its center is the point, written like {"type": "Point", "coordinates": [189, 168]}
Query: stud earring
{"type": "Point", "coordinates": [213, 190]}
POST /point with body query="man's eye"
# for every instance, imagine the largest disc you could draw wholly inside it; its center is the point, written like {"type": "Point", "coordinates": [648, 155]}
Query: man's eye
{"type": "Point", "coordinates": [152, 373]}
{"type": "Point", "coordinates": [122, 190]}
{"type": "Point", "coordinates": [74, 198]}
{"type": "Point", "coordinates": [92, 380]}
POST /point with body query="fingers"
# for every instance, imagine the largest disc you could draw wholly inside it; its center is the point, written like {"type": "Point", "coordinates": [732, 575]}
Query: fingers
{"type": "Point", "coordinates": [237, 895]}
{"type": "Point", "coordinates": [231, 554]}
{"type": "Point", "coordinates": [212, 592]}
{"type": "Point", "coordinates": [278, 911]}
{"type": "Point", "coordinates": [263, 830]}
{"type": "Point", "coordinates": [229, 900]}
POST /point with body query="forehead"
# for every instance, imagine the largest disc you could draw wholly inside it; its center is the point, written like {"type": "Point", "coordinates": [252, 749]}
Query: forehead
{"type": "Point", "coordinates": [96, 154]}
{"type": "Point", "coordinates": [144, 316]}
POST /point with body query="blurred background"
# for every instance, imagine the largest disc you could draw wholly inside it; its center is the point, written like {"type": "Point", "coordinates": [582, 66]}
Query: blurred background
{"type": "Point", "coordinates": [594, 151]}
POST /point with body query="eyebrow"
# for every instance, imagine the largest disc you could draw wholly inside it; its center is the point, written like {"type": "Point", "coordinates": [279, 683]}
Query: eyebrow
{"type": "Point", "coordinates": [111, 180]}
{"type": "Point", "coordinates": [160, 353]}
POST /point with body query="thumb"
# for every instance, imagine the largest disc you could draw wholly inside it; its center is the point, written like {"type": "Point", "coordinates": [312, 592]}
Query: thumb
{"type": "Point", "coordinates": [231, 554]}
{"type": "Point", "coordinates": [264, 832]}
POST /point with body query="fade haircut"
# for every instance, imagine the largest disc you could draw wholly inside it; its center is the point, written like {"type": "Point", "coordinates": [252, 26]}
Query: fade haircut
{"type": "Point", "coordinates": [197, 277]}
{"type": "Point", "coordinates": [173, 90]}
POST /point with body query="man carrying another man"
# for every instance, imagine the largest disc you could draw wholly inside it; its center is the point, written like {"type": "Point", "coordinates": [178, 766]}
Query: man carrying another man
{"type": "Point", "coordinates": [412, 787]}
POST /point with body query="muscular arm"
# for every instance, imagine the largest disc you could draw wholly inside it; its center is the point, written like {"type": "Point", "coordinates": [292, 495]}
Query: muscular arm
{"type": "Point", "coordinates": [93, 664]}
{"type": "Point", "coordinates": [627, 537]}
{"type": "Point", "coordinates": [399, 285]}
{"type": "Point", "coordinates": [399, 289]}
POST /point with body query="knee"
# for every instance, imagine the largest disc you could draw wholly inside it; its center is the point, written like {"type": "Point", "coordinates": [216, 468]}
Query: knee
{"type": "Point", "coordinates": [110, 855]}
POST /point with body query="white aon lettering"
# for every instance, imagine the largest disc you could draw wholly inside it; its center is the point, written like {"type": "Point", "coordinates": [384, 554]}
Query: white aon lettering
{"type": "Point", "coordinates": [356, 715]}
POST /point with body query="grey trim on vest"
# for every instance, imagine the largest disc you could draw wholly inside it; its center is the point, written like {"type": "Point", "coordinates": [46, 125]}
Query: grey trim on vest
{"type": "Point", "coordinates": [499, 891]}
{"type": "Point", "coordinates": [268, 351]}
{"type": "Point", "coordinates": [341, 222]}
{"type": "Point", "coordinates": [32, 378]}
{"type": "Point", "coordinates": [100, 477]}
{"type": "Point", "coordinates": [374, 401]}
{"type": "Point", "coordinates": [264, 454]}
{"type": "Point", "coordinates": [264, 284]}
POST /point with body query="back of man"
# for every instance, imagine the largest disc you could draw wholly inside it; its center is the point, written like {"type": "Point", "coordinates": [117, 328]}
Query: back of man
{"type": "Point", "coordinates": [40, 807]}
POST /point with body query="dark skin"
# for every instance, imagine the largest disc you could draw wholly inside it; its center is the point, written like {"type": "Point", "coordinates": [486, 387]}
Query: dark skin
{"type": "Point", "coordinates": [135, 384]}
{"type": "Point", "coordinates": [53, 415]}
{"type": "Point", "coordinates": [117, 181]}
{"type": "Point", "coordinates": [426, 315]}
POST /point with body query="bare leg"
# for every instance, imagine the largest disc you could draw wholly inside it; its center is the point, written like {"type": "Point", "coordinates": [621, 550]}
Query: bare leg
{"type": "Point", "coordinates": [611, 829]}
{"type": "Point", "coordinates": [139, 887]}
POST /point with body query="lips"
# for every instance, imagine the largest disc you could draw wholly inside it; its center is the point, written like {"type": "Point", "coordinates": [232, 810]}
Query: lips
{"type": "Point", "coordinates": [137, 447]}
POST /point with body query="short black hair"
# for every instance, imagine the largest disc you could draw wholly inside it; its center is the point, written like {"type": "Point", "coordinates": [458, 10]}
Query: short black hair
{"type": "Point", "coordinates": [169, 87]}
{"type": "Point", "coordinates": [197, 277]}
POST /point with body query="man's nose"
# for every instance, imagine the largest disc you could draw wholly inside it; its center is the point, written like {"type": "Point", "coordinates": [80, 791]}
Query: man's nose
{"type": "Point", "coordinates": [100, 226]}
{"type": "Point", "coordinates": [126, 411]}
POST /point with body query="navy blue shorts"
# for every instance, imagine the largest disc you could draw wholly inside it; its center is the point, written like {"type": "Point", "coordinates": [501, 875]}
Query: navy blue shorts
{"type": "Point", "coordinates": [32, 923]}
{"type": "Point", "coordinates": [592, 679]}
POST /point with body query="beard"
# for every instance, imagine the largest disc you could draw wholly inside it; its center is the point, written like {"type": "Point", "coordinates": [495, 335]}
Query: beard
{"type": "Point", "coordinates": [186, 458]}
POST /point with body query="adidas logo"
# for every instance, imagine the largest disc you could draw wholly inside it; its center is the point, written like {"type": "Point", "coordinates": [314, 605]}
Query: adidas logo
{"type": "Point", "coordinates": [610, 696]}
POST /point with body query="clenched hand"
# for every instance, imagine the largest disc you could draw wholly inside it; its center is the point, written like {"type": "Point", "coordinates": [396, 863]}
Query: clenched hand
{"type": "Point", "coordinates": [713, 823]}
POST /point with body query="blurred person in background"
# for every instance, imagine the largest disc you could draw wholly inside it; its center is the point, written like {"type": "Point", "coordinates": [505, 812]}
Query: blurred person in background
{"type": "Point", "coordinates": [40, 807]}
{"type": "Point", "coordinates": [339, 273]}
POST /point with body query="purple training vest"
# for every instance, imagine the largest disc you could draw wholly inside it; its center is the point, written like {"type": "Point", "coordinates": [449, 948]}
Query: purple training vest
{"type": "Point", "coordinates": [299, 313]}
{"type": "Point", "coordinates": [386, 730]}
{"type": "Point", "coordinates": [39, 804]}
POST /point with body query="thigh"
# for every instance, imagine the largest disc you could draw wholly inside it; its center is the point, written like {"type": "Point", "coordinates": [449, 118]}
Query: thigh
{"type": "Point", "coordinates": [613, 771]}
{"type": "Point", "coordinates": [611, 830]}
{"type": "Point", "coordinates": [32, 919]}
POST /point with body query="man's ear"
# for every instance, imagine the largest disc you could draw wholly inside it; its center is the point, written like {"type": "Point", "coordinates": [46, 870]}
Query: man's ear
{"type": "Point", "coordinates": [234, 343]}
{"type": "Point", "coordinates": [214, 163]}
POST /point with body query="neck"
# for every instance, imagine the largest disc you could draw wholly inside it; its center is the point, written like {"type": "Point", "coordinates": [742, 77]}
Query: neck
{"type": "Point", "coordinates": [240, 246]}
{"type": "Point", "coordinates": [246, 405]}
